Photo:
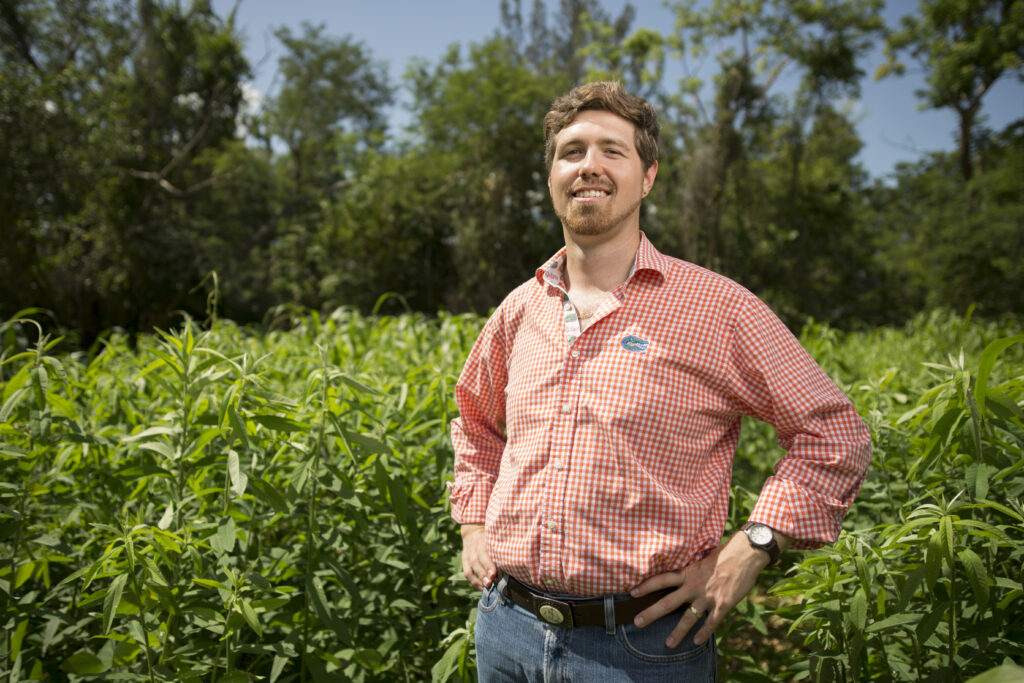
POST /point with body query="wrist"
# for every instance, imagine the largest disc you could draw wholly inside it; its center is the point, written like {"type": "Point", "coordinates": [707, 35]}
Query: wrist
{"type": "Point", "coordinates": [766, 541]}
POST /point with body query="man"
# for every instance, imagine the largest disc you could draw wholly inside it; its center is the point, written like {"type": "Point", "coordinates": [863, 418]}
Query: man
{"type": "Point", "coordinates": [600, 412]}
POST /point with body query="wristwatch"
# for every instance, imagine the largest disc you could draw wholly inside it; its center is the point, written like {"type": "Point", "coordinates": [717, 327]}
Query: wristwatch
{"type": "Point", "coordinates": [762, 537]}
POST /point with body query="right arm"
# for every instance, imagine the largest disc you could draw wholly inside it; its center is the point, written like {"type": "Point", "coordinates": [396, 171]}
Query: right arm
{"type": "Point", "coordinates": [478, 437]}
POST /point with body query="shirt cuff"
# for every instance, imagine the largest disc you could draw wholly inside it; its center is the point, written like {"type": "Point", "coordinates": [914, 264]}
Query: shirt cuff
{"type": "Point", "coordinates": [469, 500]}
{"type": "Point", "coordinates": [809, 517]}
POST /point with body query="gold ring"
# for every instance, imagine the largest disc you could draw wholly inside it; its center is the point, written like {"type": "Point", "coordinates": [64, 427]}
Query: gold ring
{"type": "Point", "coordinates": [696, 611]}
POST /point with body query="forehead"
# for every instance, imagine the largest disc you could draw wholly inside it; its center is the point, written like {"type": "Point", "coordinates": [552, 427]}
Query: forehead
{"type": "Point", "coordinates": [590, 125]}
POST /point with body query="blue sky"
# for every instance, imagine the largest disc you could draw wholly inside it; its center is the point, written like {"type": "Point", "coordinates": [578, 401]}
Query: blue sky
{"type": "Point", "coordinates": [890, 124]}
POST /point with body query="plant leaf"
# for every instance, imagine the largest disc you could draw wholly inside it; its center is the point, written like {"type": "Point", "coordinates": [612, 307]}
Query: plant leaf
{"type": "Point", "coordinates": [112, 600]}
{"type": "Point", "coordinates": [238, 478]}
{"type": "Point", "coordinates": [83, 663]}
{"type": "Point", "coordinates": [977, 576]}
{"type": "Point", "coordinates": [278, 423]}
{"type": "Point", "coordinates": [988, 361]}
{"type": "Point", "coordinates": [245, 607]}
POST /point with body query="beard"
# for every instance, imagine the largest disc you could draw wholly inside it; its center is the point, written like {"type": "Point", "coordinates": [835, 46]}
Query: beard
{"type": "Point", "coordinates": [588, 219]}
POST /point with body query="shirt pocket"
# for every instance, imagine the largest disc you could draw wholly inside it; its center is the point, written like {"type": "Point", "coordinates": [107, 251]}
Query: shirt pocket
{"type": "Point", "coordinates": [626, 386]}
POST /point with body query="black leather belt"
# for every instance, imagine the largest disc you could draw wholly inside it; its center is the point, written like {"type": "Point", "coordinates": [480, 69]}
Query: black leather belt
{"type": "Point", "coordinates": [571, 612]}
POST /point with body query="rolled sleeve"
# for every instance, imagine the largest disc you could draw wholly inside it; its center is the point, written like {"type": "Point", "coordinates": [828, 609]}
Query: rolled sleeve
{"type": "Point", "coordinates": [828, 446]}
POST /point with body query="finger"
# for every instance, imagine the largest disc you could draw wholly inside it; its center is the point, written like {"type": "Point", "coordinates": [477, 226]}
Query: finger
{"type": "Point", "coordinates": [472, 570]}
{"type": "Point", "coordinates": [470, 575]}
{"type": "Point", "coordinates": [478, 568]}
{"type": "Point", "coordinates": [707, 629]}
{"type": "Point", "coordinates": [477, 575]}
{"type": "Point", "coordinates": [485, 573]}
{"type": "Point", "coordinates": [656, 583]}
{"type": "Point", "coordinates": [665, 605]}
{"type": "Point", "coordinates": [691, 615]}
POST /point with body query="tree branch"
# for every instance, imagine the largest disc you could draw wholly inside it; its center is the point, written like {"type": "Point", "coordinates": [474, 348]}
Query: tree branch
{"type": "Point", "coordinates": [19, 32]}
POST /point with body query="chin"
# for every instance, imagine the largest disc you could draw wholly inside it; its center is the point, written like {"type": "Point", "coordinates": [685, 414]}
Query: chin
{"type": "Point", "coordinates": [587, 229]}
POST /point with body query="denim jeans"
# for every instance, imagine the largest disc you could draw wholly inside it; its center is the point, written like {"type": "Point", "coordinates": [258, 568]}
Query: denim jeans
{"type": "Point", "coordinates": [514, 646]}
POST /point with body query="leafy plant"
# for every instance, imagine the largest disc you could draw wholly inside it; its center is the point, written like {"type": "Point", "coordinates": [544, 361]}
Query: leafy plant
{"type": "Point", "coordinates": [227, 504]}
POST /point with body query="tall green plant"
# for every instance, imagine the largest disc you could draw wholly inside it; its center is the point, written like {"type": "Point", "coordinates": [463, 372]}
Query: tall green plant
{"type": "Point", "coordinates": [934, 593]}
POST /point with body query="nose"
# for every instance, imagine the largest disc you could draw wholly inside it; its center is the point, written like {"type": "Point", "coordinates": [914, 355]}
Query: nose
{"type": "Point", "coordinates": [590, 164]}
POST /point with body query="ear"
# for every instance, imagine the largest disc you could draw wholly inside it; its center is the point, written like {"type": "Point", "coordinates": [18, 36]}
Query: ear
{"type": "Point", "coordinates": [649, 176]}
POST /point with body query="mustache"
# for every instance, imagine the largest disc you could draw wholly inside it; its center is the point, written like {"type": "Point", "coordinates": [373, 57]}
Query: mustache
{"type": "Point", "coordinates": [576, 187]}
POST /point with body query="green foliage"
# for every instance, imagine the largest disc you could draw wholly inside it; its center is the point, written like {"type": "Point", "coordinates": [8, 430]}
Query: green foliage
{"type": "Point", "coordinates": [217, 504]}
{"type": "Point", "coordinates": [761, 184]}
{"type": "Point", "coordinates": [106, 110]}
{"type": "Point", "coordinates": [965, 47]}
{"type": "Point", "coordinates": [137, 163]}
{"type": "Point", "coordinates": [944, 242]}
{"type": "Point", "coordinates": [925, 584]}
{"type": "Point", "coordinates": [479, 124]}
{"type": "Point", "coordinates": [228, 503]}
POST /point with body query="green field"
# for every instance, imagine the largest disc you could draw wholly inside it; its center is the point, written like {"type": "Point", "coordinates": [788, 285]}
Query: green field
{"type": "Point", "coordinates": [216, 503]}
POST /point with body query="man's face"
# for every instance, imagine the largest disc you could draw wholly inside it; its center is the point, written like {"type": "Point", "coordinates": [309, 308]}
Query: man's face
{"type": "Point", "coordinates": [597, 179]}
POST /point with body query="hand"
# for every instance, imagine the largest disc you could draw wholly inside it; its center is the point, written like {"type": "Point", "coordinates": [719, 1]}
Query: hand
{"type": "Point", "coordinates": [714, 584]}
{"type": "Point", "coordinates": [476, 562]}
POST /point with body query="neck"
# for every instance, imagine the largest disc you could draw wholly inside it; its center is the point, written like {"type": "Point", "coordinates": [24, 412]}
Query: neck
{"type": "Point", "coordinates": [600, 264]}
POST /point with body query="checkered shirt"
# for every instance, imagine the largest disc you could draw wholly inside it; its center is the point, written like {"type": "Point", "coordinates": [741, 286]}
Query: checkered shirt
{"type": "Point", "coordinates": [601, 460]}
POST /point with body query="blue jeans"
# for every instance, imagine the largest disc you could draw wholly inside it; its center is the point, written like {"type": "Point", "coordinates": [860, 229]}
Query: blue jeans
{"type": "Point", "coordinates": [514, 646]}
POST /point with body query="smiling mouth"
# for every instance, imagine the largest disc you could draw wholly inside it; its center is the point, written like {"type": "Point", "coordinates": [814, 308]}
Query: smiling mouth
{"type": "Point", "coordinates": [590, 194]}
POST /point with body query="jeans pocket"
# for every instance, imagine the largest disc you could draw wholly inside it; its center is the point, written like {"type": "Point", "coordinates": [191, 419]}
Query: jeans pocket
{"type": "Point", "coordinates": [490, 598]}
{"type": "Point", "coordinates": [648, 643]}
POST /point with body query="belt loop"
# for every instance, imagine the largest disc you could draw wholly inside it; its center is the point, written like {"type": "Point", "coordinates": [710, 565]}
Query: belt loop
{"type": "Point", "coordinates": [609, 614]}
{"type": "Point", "coordinates": [501, 587]}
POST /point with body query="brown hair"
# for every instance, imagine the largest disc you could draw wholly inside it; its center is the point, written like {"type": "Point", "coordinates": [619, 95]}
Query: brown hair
{"type": "Point", "coordinates": [604, 96]}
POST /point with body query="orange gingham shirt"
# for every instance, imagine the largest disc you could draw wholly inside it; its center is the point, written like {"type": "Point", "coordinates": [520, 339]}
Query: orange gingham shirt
{"type": "Point", "coordinates": [599, 462]}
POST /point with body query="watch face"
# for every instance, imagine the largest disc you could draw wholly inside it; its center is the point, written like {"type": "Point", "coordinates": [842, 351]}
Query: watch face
{"type": "Point", "coordinates": [760, 534]}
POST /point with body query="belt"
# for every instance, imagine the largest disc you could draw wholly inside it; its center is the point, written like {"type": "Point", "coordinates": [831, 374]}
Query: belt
{"type": "Point", "coordinates": [573, 612]}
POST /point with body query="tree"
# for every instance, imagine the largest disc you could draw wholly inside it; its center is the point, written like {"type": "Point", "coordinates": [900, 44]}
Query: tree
{"type": "Point", "coordinates": [328, 112]}
{"type": "Point", "coordinates": [330, 104]}
{"type": "Point", "coordinates": [756, 41]}
{"type": "Point", "coordinates": [130, 100]}
{"type": "Point", "coordinates": [480, 119]}
{"type": "Point", "coordinates": [393, 227]}
{"type": "Point", "coordinates": [943, 243]}
{"type": "Point", "coordinates": [965, 47]}
{"type": "Point", "coordinates": [564, 43]}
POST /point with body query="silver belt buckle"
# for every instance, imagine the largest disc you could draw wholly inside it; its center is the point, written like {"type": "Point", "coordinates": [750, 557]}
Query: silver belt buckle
{"type": "Point", "coordinates": [554, 612]}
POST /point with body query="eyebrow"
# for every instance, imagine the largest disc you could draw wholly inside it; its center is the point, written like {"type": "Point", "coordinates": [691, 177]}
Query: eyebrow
{"type": "Point", "coordinates": [603, 142]}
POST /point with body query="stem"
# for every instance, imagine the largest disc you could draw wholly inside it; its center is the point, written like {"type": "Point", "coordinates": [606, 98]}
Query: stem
{"type": "Point", "coordinates": [179, 484]}
{"type": "Point", "coordinates": [142, 622]}
{"type": "Point", "coordinates": [311, 508]}
{"type": "Point", "coordinates": [893, 507]}
{"type": "Point", "coordinates": [182, 437]}
{"type": "Point", "coordinates": [952, 620]}
{"type": "Point", "coordinates": [227, 640]}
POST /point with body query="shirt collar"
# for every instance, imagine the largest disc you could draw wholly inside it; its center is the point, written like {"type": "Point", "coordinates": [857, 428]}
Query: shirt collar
{"type": "Point", "coordinates": [647, 258]}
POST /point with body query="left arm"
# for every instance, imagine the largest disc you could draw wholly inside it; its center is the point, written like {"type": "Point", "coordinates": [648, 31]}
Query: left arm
{"type": "Point", "coordinates": [828, 450]}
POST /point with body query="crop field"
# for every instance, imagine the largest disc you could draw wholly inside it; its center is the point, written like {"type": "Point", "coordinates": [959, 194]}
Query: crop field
{"type": "Point", "coordinates": [215, 503]}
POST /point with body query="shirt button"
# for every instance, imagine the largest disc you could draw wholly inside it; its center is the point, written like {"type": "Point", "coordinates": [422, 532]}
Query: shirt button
{"type": "Point", "coordinates": [566, 408]}
{"type": "Point", "coordinates": [556, 463]}
{"type": "Point", "coordinates": [551, 524]}
{"type": "Point", "coordinates": [574, 353]}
